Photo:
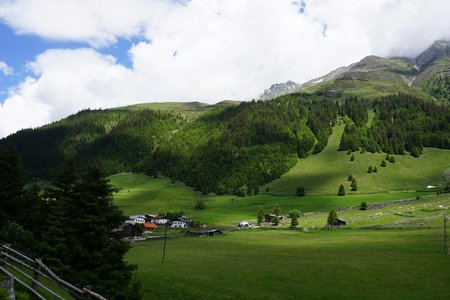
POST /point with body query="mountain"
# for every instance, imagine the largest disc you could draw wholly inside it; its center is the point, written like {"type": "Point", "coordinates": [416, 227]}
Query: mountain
{"type": "Point", "coordinates": [279, 89]}
{"type": "Point", "coordinates": [231, 148]}
{"type": "Point", "coordinates": [426, 75]}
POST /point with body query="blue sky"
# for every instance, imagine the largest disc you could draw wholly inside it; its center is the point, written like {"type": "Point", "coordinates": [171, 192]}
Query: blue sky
{"type": "Point", "coordinates": [16, 50]}
{"type": "Point", "coordinates": [68, 55]}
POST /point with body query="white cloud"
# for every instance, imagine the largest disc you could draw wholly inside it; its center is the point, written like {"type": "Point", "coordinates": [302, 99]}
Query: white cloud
{"type": "Point", "coordinates": [5, 69]}
{"type": "Point", "coordinates": [206, 50]}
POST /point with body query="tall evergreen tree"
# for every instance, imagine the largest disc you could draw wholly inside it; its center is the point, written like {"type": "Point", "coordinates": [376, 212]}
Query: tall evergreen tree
{"type": "Point", "coordinates": [354, 185]}
{"type": "Point", "coordinates": [341, 191]}
{"type": "Point", "coordinates": [11, 186]}
{"type": "Point", "coordinates": [80, 242]}
{"type": "Point", "coordinates": [332, 218]}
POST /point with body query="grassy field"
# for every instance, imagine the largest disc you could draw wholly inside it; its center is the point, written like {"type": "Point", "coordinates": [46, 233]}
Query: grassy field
{"type": "Point", "coordinates": [140, 194]}
{"type": "Point", "coordinates": [256, 264]}
{"type": "Point", "coordinates": [324, 172]}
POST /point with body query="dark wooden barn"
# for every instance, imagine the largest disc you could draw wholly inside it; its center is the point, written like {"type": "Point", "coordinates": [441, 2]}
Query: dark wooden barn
{"type": "Point", "coordinates": [212, 232]}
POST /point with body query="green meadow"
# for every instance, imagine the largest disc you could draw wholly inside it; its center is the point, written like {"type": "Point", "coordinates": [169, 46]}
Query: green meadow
{"type": "Point", "coordinates": [268, 264]}
{"type": "Point", "coordinates": [324, 172]}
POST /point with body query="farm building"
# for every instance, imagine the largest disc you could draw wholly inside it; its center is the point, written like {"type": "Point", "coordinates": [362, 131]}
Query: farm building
{"type": "Point", "coordinates": [150, 227]}
{"type": "Point", "coordinates": [268, 218]}
{"type": "Point", "coordinates": [340, 222]}
{"type": "Point", "coordinates": [244, 224]}
{"type": "Point", "coordinates": [213, 232]}
{"type": "Point", "coordinates": [130, 230]}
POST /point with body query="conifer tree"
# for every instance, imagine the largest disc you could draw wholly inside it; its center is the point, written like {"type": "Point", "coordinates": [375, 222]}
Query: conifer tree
{"type": "Point", "coordinates": [332, 218]}
{"type": "Point", "coordinates": [260, 216]}
{"type": "Point", "coordinates": [383, 163]}
{"type": "Point", "coordinates": [375, 169]}
{"type": "Point", "coordinates": [341, 191]}
{"type": "Point", "coordinates": [370, 170]}
{"type": "Point", "coordinates": [294, 221]}
{"type": "Point", "coordinates": [354, 185]}
{"type": "Point", "coordinates": [300, 191]}
{"type": "Point", "coordinates": [350, 178]}
{"type": "Point", "coordinates": [276, 210]}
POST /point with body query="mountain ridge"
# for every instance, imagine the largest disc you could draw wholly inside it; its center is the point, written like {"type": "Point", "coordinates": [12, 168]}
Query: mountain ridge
{"type": "Point", "coordinates": [409, 75]}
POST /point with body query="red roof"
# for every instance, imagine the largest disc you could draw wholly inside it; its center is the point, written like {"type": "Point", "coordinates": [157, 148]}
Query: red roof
{"type": "Point", "coordinates": [150, 226]}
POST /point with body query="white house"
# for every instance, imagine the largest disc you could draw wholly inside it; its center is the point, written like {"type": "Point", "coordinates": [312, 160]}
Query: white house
{"type": "Point", "coordinates": [160, 220]}
{"type": "Point", "coordinates": [137, 220]}
{"type": "Point", "coordinates": [180, 223]}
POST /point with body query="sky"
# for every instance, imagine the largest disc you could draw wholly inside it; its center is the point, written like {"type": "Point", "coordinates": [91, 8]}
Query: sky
{"type": "Point", "coordinates": [61, 56]}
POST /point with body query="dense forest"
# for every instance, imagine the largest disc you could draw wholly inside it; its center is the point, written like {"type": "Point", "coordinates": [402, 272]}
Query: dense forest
{"type": "Point", "coordinates": [402, 123]}
{"type": "Point", "coordinates": [231, 149]}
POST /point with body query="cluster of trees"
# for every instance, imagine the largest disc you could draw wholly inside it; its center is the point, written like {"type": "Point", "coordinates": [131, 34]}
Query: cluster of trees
{"type": "Point", "coordinates": [402, 123]}
{"type": "Point", "coordinates": [69, 225]}
{"type": "Point", "coordinates": [236, 149]}
{"type": "Point", "coordinates": [120, 139]}
{"type": "Point", "coordinates": [439, 87]}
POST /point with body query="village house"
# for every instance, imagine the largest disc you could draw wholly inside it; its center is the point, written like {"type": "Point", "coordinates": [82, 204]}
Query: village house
{"type": "Point", "coordinates": [150, 227]}
{"type": "Point", "coordinates": [180, 222]}
{"type": "Point", "coordinates": [159, 220]}
{"type": "Point", "coordinates": [130, 230]}
{"type": "Point", "coordinates": [268, 218]}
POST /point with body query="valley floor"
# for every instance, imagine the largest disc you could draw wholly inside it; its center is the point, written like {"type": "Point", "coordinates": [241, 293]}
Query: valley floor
{"type": "Point", "coordinates": [267, 264]}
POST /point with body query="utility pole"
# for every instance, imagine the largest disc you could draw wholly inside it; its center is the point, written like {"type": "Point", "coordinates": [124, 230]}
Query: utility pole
{"type": "Point", "coordinates": [165, 240]}
{"type": "Point", "coordinates": [446, 242]}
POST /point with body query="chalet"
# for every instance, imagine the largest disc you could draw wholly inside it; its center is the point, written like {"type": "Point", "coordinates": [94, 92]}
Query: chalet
{"type": "Point", "coordinates": [150, 227]}
{"type": "Point", "coordinates": [201, 233]}
{"type": "Point", "coordinates": [160, 220]}
{"type": "Point", "coordinates": [130, 230]}
{"type": "Point", "coordinates": [181, 222]}
{"type": "Point", "coordinates": [135, 220]}
{"type": "Point", "coordinates": [340, 222]}
{"type": "Point", "coordinates": [268, 218]}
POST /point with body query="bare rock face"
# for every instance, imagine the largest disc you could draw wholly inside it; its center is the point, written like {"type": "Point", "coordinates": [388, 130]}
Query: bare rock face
{"type": "Point", "coordinates": [279, 89]}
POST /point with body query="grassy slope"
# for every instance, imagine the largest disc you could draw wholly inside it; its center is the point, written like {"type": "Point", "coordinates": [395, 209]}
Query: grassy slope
{"type": "Point", "coordinates": [324, 172]}
{"type": "Point", "coordinates": [187, 109]}
{"type": "Point", "coordinates": [293, 265]}
{"type": "Point", "coordinates": [141, 194]}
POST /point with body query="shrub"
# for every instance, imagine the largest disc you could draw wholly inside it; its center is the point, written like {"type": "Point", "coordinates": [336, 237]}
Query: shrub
{"type": "Point", "coordinates": [363, 206]}
{"type": "Point", "coordinates": [300, 191]}
{"type": "Point", "coordinates": [370, 170]}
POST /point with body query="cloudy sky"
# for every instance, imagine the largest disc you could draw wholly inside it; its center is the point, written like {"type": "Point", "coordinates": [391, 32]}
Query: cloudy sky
{"type": "Point", "coordinates": [60, 56]}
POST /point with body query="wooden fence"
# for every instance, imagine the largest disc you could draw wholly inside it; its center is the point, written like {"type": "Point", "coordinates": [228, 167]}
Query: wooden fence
{"type": "Point", "coordinates": [34, 276]}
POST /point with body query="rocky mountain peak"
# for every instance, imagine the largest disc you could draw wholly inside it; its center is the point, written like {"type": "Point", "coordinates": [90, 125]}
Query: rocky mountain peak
{"type": "Point", "coordinates": [279, 89]}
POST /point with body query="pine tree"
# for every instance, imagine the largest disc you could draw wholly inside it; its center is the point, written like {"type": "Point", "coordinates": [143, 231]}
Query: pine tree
{"type": "Point", "coordinates": [352, 158]}
{"type": "Point", "coordinates": [383, 163]}
{"type": "Point", "coordinates": [392, 159]}
{"type": "Point", "coordinates": [276, 210]}
{"type": "Point", "coordinates": [341, 191]}
{"type": "Point", "coordinates": [80, 242]}
{"type": "Point", "coordinates": [294, 221]}
{"type": "Point", "coordinates": [350, 178]}
{"type": "Point", "coordinates": [375, 169]}
{"type": "Point", "coordinates": [11, 186]}
{"type": "Point", "coordinates": [369, 170]}
{"type": "Point", "coordinates": [354, 185]}
{"type": "Point", "coordinates": [332, 218]}
{"type": "Point", "coordinates": [388, 157]}
{"type": "Point", "coordinates": [260, 216]}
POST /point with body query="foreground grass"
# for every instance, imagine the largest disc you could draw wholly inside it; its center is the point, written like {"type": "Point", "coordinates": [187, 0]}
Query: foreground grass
{"type": "Point", "coordinates": [258, 264]}
{"type": "Point", "coordinates": [324, 172]}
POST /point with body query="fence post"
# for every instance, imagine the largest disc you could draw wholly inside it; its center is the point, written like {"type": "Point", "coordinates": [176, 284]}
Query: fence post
{"type": "Point", "coordinates": [10, 288]}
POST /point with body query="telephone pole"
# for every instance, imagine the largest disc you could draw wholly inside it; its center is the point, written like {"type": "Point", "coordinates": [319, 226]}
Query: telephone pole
{"type": "Point", "coordinates": [446, 242]}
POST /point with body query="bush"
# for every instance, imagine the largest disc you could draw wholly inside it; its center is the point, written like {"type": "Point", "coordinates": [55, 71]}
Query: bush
{"type": "Point", "coordinates": [294, 221]}
{"type": "Point", "coordinates": [392, 159]}
{"type": "Point", "coordinates": [375, 169]}
{"type": "Point", "coordinates": [383, 163]}
{"type": "Point", "coordinates": [370, 170]}
{"type": "Point", "coordinates": [352, 158]}
{"type": "Point", "coordinates": [300, 191]}
{"type": "Point", "coordinates": [363, 206]}
{"type": "Point", "coordinates": [200, 204]}
{"type": "Point", "coordinates": [295, 213]}
{"type": "Point", "coordinates": [350, 178]}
